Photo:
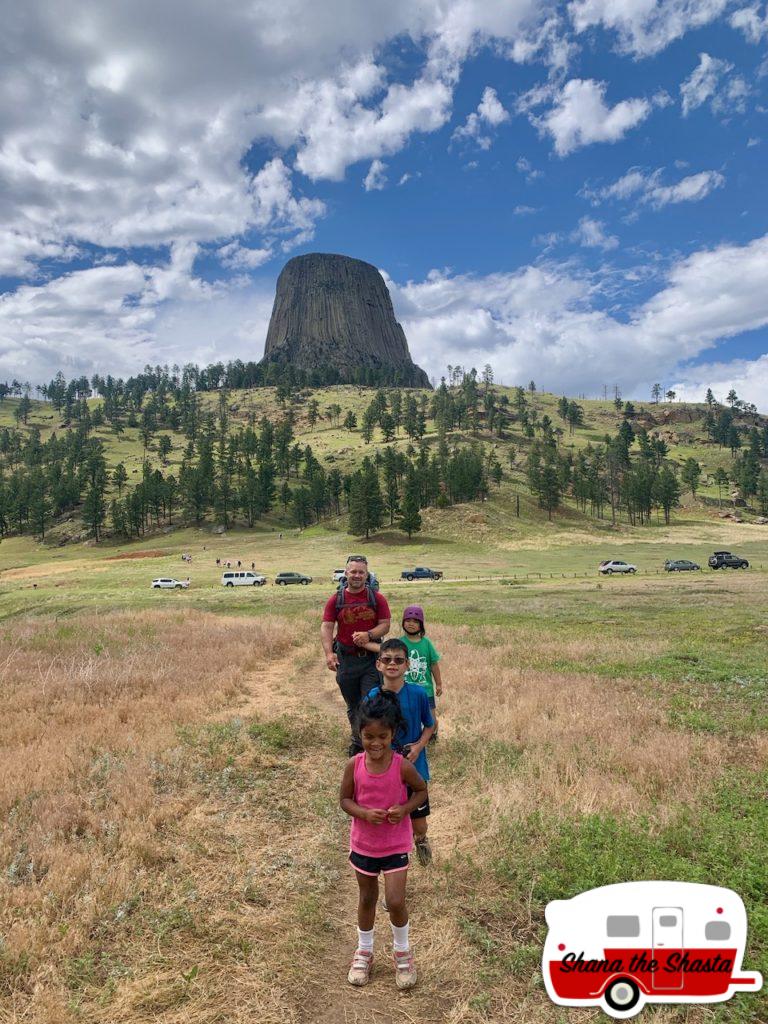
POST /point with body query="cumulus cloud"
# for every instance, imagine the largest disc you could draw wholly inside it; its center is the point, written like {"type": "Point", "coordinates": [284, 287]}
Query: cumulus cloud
{"type": "Point", "coordinates": [489, 113]}
{"type": "Point", "coordinates": [581, 116]}
{"type": "Point", "coordinates": [543, 321]}
{"type": "Point", "coordinates": [376, 178]}
{"type": "Point", "coordinates": [645, 27]}
{"type": "Point", "coordinates": [747, 377]}
{"type": "Point", "coordinates": [591, 234]}
{"type": "Point", "coordinates": [752, 22]}
{"type": "Point", "coordinates": [145, 135]}
{"type": "Point", "coordinates": [711, 81]}
{"type": "Point", "coordinates": [648, 188]}
{"type": "Point", "coordinates": [241, 257]}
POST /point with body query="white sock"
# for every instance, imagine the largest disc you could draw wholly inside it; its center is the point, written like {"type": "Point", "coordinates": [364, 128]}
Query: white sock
{"type": "Point", "coordinates": [365, 940]}
{"type": "Point", "coordinates": [400, 937]}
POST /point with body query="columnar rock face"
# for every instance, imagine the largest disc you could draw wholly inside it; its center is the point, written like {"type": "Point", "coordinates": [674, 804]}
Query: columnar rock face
{"type": "Point", "coordinates": [335, 312]}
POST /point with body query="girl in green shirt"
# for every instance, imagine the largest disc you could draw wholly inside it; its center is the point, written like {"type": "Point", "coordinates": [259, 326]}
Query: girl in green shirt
{"type": "Point", "coordinates": [423, 668]}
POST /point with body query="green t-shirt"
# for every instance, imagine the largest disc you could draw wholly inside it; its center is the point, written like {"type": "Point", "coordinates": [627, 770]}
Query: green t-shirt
{"type": "Point", "coordinates": [421, 656]}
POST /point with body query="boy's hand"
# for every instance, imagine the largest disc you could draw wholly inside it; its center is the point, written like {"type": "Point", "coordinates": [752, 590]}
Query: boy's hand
{"type": "Point", "coordinates": [414, 751]}
{"type": "Point", "coordinates": [376, 815]}
{"type": "Point", "coordinates": [439, 689]}
{"type": "Point", "coordinates": [396, 813]}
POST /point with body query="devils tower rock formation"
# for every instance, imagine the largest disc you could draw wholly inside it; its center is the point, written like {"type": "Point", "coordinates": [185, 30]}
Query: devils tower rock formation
{"type": "Point", "coordinates": [333, 314]}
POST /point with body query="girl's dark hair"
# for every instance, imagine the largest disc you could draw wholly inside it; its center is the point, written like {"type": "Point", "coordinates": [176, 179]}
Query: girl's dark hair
{"type": "Point", "coordinates": [382, 707]}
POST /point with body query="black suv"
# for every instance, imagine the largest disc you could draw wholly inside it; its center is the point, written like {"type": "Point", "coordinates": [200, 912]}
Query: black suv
{"type": "Point", "coordinates": [725, 560]}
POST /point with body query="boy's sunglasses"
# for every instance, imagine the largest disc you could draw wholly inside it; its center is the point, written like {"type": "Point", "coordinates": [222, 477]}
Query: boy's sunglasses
{"type": "Point", "coordinates": [393, 661]}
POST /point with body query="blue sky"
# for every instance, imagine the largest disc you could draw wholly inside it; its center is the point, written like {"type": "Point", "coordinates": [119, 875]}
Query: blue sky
{"type": "Point", "coordinates": [573, 193]}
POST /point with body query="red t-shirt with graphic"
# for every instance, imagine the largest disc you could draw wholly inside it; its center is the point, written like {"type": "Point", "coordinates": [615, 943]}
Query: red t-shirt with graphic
{"type": "Point", "coordinates": [356, 615]}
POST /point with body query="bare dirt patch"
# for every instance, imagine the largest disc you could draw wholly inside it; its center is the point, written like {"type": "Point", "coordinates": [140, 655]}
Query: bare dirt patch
{"type": "Point", "coordinates": [136, 554]}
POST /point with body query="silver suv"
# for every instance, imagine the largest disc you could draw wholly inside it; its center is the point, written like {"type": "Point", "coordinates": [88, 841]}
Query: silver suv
{"type": "Point", "coordinates": [616, 565]}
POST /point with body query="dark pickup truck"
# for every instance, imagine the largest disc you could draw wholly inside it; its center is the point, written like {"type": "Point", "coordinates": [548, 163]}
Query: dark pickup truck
{"type": "Point", "coordinates": [420, 573]}
{"type": "Point", "coordinates": [725, 560]}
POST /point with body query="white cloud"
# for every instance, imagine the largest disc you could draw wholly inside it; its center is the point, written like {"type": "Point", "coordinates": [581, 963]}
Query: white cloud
{"type": "Point", "coordinates": [591, 235]}
{"type": "Point", "coordinates": [751, 22]}
{"type": "Point", "coordinates": [522, 211]}
{"type": "Point", "coordinates": [20, 253]}
{"type": "Point", "coordinates": [118, 318]}
{"type": "Point", "coordinates": [376, 178]}
{"type": "Point", "coordinates": [524, 166]}
{"type": "Point", "coordinates": [489, 113]}
{"type": "Point", "coordinates": [747, 377]}
{"type": "Point", "coordinates": [581, 116]}
{"type": "Point", "coordinates": [544, 322]}
{"type": "Point", "coordinates": [241, 257]}
{"type": "Point", "coordinates": [142, 132]}
{"type": "Point", "coordinates": [704, 83]}
{"type": "Point", "coordinates": [645, 27]}
{"type": "Point", "coordinates": [649, 189]}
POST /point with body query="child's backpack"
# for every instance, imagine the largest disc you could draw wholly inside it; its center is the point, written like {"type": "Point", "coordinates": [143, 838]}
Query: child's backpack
{"type": "Point", "coordinates": [371, 586]}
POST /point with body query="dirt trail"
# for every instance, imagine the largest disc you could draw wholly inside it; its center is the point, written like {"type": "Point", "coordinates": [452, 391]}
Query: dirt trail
{"type": "Point", "coordinates": [287, 685]}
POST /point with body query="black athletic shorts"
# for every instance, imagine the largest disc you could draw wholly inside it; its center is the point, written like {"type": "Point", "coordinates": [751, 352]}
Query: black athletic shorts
{"type": "Point", "coordinates": [374, 865]}
{"type": "Point", "coordinates": [420, 812]}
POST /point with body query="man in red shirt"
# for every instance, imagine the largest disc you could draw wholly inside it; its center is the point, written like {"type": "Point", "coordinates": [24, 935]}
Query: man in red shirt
{"type": "Point", "coordinates": [360, 614]}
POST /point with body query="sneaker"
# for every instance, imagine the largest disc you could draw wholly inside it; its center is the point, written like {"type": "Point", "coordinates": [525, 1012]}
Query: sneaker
{"type": "Point", "coordinates": [360, 969]}
{"type": "Point", "coordinates": [423, 851]}
{"type": "Point", "coordinates": [405, 970]}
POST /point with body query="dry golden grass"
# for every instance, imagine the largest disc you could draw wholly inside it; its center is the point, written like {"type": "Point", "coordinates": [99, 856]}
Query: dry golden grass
{"type": "Point", "coordinates": [164, 864]}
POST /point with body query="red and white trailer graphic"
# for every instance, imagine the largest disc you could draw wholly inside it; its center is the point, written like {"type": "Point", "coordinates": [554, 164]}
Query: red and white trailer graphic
{"type": "Point", "coordinates": [622, 946]}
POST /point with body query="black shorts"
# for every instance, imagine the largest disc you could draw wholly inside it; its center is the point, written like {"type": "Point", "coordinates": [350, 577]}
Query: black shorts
{"type": "Point", "coordinates": [420, 812]}
{"type": "Point", "coordinates": [374, 865]}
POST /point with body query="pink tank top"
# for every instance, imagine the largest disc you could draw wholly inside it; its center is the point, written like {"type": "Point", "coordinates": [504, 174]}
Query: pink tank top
{"type": "Point", "coordinates": [383, 790]}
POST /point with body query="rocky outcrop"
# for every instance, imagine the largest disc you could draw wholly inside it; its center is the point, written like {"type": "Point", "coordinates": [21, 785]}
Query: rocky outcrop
{"type": "Point", "coordinates": [334, 312]}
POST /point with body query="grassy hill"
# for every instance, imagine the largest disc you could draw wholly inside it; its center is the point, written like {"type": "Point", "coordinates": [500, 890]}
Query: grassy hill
{"type": "Point", "coordinates": [510, 509]}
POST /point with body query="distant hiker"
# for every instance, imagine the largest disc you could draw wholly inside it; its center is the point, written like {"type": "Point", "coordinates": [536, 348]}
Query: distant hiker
{"type": "Point", "coordinates": [379, 791]}
{"type": "Point", "coordinates": [238, 563]}
{"type": "Point", "coordinates": [218, 561]}
{"type": "Point", "coordinates": [279, 536]}
{"type": "Point", "coordinates": [253, 565]}
{"type": "Point", "coordinates": [412, 738]}
{"type": "Point", "coordinates": [362, 615]}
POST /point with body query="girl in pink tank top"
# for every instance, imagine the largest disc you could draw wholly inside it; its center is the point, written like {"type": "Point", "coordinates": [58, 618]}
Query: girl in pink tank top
{"type": "Point", "coordinates": [379, 790]}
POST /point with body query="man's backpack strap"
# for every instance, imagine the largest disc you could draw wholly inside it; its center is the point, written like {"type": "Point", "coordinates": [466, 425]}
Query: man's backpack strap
{"type": "Point", "coordinates": [369, 593]}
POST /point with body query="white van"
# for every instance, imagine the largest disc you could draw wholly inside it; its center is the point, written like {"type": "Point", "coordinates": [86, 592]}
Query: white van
{"type": "Point", "coordinates": [242, 579]}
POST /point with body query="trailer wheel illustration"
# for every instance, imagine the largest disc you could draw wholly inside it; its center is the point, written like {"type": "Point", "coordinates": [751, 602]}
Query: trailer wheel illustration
{"type": "Point", "coordinates": [622, 995]}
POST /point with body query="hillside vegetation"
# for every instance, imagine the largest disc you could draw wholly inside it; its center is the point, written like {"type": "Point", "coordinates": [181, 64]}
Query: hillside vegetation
{"type": "Point", "coordinates": [154, 453]}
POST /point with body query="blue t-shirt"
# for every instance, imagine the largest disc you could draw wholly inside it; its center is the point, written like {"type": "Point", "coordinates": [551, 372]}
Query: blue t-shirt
{"type": "Point", "coordinates": [414, 704]}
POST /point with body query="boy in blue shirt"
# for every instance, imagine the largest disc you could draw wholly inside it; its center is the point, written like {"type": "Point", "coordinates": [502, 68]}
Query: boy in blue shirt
{"type": "Point", "coordinates": [393, 664]}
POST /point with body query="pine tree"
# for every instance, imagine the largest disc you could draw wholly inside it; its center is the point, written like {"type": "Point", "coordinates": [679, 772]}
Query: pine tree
{"type": "Point", "coordinates": [366, 505]}
{"type": "Point", "coordinates": [410, 521]}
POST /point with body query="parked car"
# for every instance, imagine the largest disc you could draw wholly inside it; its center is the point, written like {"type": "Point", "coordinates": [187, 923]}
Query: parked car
{"type": "Point", "coordinates": [284, 578]}
{"type": "Point", "coordinates": [243, 579]}
{"type": "Point", "coordinates": [680, 565]}
{"type": "Point", "coordinates": [421, 572]}
{"type": "Point", "coordinates": [167, 583]}
{"type": "Point", "coordinates": [725, 560]}
{"type": "Point", "coordinates": [613, 565]}
{"type": "Point", "coordinates": [339, 575]}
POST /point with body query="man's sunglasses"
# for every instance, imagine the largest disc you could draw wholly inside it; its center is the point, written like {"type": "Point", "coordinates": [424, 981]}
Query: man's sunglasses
{"type": "Point", "coordinates": [393, 661]}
